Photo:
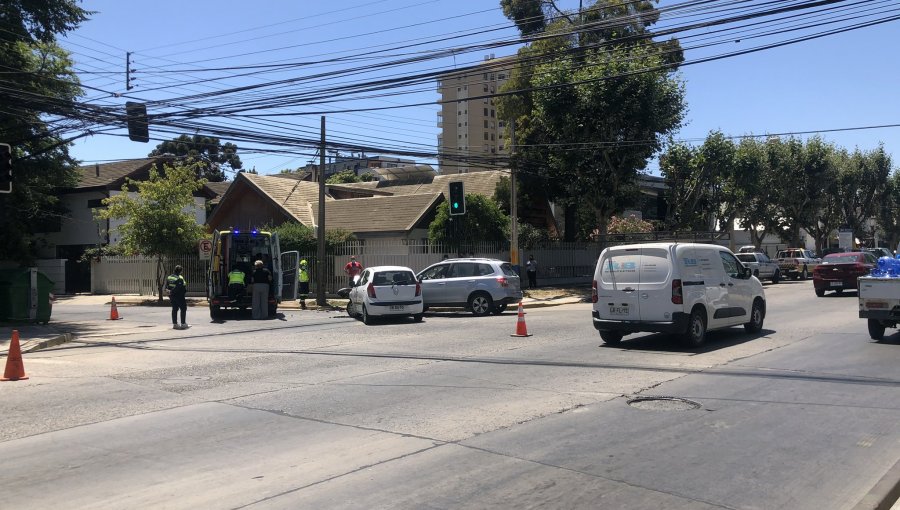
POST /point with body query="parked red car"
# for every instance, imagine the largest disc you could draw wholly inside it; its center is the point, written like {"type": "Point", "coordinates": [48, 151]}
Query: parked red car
{"type": "Point", "coordinates": [839, 271]}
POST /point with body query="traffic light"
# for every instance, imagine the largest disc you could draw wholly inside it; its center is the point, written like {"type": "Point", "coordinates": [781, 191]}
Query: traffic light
{"type": "Point", "coordinates": [138, 128]}
{"type": "Point", "coordinates": [5, 168]}
{"type": "Point", "coordinates": [457, 198]}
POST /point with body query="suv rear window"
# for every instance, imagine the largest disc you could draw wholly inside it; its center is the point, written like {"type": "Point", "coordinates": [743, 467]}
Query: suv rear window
{"type": "Point", "coordinates": [743, 257]}
{"type": "Point", "coordinates": [484, 270]}
{"type": "Point", "coordinates": [508, 270]}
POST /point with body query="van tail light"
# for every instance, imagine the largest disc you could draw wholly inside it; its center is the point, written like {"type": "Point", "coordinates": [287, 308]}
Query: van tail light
{"type": "Point", "coordinates": [677, 294]}
{"type": "Point", "coordinates": [503, 281]}
{"type": "Point", "coordinates": [594, 297]}
{"type": "Point", "coordinates": [418, 289]}
{"type": "Point", "coordinates": [371, 291]}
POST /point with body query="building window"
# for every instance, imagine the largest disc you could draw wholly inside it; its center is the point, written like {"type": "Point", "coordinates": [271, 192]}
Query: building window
{"type": "Point", "coordinates": [459, 124]}
{"type": "Point", "coordinates": [485, 76]}
{"type": "Point", "coordinates": [501, 76]}
{"type": "Point", "coordinates": [485, 88]}
{"type": "Point", "coordinates": [459, 89]}
{"type": "Point", "coordinates": [485, 112]}
{"type": "Point", "coordinates": [493, 150]}
{"type": "Point", "coordinates": [492, 76]}
{"type": "Point", "coordinates": [459, 113]}
{"type": "Point", "coordinates": [485, 135]}
{"type": "Point", "coordinates": [465, 87]}
{"type": "Point", "coordinates": [492, 113]}
{"type": "Point", "coordinates": [485, 101]}
{"type": "Point", "coordinates": [501, 124]}
{"type": "Point", "coordinates": [459, 137]}
{"type": "Point", "coordinates": [492, 136]}
{"type": "Point", "coordinates": [485, 123]}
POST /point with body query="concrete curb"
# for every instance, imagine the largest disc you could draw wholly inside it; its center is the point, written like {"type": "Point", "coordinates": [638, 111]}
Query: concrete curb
{"type": "Point", "coordinates": [36, 345]}
{"type": "Point", "coordinates": [885, 493]}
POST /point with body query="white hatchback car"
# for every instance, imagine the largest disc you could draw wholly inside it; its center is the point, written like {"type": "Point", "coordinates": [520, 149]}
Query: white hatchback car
{"type": "Point", "coordinates": [386, 291]}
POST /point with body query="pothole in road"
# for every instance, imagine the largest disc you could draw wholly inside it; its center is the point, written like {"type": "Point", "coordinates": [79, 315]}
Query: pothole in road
{"type": "Point", "coordinates": [650, 403]}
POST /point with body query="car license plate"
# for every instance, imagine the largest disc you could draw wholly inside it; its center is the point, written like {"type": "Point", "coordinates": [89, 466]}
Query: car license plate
{"type": "Point", "coordinates": [397, 308]}
{"type": "Point", "coordinates": [837, 284]}
{"type": "Point", "coordinates": [618, 310]}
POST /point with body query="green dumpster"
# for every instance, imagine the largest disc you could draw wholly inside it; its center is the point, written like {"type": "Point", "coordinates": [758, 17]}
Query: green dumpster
{"type": "Point", "coordinates": [16, 295]}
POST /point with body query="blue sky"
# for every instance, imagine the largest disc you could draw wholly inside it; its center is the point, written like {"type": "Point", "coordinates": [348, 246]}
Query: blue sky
{"type": "Point", "coordinates": [841, 81]}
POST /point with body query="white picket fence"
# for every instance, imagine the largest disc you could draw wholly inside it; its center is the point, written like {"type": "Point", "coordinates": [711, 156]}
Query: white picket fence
{"type": "Point", "coordinates": [558, 263]}
{"type": "Point", "coordinates": [137, 275]}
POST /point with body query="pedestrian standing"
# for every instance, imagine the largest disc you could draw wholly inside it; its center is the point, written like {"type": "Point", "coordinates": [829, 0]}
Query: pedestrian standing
{"type": "Point", "coordinates": [176, 286]}
{"type": "Point", "coordinates": [353, 268]}
{"type": "Point", "coordinates": [303, 283]}
{"type": "Point", "coordinates": [531, 271]}
{"type": "Point", "coordinates": [262, 279]}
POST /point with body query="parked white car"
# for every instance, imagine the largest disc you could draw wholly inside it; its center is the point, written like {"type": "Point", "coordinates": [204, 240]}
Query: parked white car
{"type": "Point", "coordinates": [386, 291]}
{"type": "Point", "coordinates": [685, 289]}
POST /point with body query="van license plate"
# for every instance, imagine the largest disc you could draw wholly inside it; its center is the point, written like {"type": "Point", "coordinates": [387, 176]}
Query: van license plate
{"type": "Point", "coordinates": [618, 310]}
{"type": "Point", "coordinates": [397, 308]}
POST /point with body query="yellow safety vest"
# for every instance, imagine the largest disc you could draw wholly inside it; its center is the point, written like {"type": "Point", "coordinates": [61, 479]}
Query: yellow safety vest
{"type": "Point", "coordinates": [304, 275]}
{"type": "Point", "coordinates": [236, 277]}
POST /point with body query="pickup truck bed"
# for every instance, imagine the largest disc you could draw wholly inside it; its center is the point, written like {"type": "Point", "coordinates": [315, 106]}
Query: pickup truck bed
{"type": "Point", "coordinates": [879, 303]}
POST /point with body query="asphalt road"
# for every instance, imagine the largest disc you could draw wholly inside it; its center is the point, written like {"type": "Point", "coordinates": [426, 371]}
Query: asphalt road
{"type": "Point", "coordinates": [316, 410]}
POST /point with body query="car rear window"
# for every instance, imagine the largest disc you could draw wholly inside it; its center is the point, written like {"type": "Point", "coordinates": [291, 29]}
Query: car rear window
{"type": "Point", "coordinates": [840, 259]}
{"type": "Point", "coordinates": [746, 258]}
{"type": "Point", "coordinates": [655, 265]}
{"type": "Point", "coordinates": [398, 277]}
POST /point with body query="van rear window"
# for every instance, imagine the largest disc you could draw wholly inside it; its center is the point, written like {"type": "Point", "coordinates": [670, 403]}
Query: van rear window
{"type": "Point", "coordinates": [655, 265]}
{"type": "Point", "coordinates": [620, 267]}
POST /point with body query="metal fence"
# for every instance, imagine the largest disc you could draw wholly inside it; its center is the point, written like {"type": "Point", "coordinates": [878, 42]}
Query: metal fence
{"type": "Point", "coordinates": [559, 263]}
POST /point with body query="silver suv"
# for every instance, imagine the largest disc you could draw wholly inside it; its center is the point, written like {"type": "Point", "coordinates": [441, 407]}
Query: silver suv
{"type": "Point", "coordinates": [481, 285]}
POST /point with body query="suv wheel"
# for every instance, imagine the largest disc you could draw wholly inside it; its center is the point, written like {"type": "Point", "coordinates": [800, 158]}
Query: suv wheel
{"type": "Point", "coordinates": [696, 332]}
{"type": "Point", "coordinates": [480, 304]}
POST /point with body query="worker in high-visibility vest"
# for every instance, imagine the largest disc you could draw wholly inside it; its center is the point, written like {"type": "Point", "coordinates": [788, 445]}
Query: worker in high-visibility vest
{"type": "Point", "coordinates": [237, 285]}
{"type": "Point", "coordinates": [303, 283]}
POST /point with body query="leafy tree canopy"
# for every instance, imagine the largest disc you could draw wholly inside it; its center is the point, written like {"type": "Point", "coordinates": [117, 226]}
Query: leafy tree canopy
{"type": "Point", "coordinates": [297, 236]}
{"type": "Point", "coordinates": [44, 87]}
{"type": "Point", "coordinates": [349, 176]}
{"type": "Point", "coordinates": [483, 222]}
{"type": "Point", "coordinates": [211, 157]}
{"type": "Point", "coordinates": [586, 96]}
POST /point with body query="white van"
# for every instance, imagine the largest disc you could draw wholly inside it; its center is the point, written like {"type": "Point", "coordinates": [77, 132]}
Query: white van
{"type": "Point", "coordinates": [685, 289]}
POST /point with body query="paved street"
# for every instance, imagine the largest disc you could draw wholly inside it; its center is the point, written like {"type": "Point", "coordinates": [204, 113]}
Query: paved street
{"type": "Point", "coordinates": [316, 410]}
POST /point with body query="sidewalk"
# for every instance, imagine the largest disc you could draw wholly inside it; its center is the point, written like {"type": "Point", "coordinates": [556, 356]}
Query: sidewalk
{"type": "Point", "coordinates": [33, 337]}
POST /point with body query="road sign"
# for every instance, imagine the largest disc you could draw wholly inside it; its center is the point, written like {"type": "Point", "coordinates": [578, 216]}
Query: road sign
{"type": "Point", "coordinates": [204, 249]}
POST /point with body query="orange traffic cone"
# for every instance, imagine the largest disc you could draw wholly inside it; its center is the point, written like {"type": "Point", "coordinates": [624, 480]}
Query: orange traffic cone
{"type": "Point", "coordinates": [15, 369]}
{"type": "Point", "coordinates": [521, 330]}
{"type": "Point", "coordinates": [114, 312]}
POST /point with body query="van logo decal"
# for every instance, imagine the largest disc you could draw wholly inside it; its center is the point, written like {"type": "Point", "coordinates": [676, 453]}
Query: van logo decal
{"type": "Point", "coordinates": [690, 262]}
{"type": "Point", "coordinates": [622, 267]}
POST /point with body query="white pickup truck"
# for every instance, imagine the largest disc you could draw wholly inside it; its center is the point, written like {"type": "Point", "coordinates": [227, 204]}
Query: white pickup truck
{"type": "Point", "coordinates": [762, 266]}
{"type": "Point", "coordinates": [879, 302]}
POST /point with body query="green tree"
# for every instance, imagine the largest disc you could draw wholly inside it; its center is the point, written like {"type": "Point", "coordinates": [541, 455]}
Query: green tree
{"type": "Point", "coordinates": [297, 236]}
{"type": "Point", "coordinates": [349, 176]}
{"type": "Point", "coordinates": [888, 211]}
{"type": "Point", "coordinates": [863, 178]}
{"type": "Point", "coordinates": [210, 156]}
{"type": "Point", "coordinates": [630, 225]}
{"type": "Point", "coordinates": [159, 219]}
{"type": "Point", "coordinates": [827, 211]}
{"type": "Point", "coordinates": [585, 96]}
{"type": "Point", "coordinates": [483, 222]}
{"type": "Point", "coordinates": [755, 185]}
{"type": "Point", "coordinates": [37, 86]}
{"type": "Point", "coordinates": [701, 190]}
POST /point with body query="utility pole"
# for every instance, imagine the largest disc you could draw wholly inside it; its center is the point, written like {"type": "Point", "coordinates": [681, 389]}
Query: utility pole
{"type": "Point", "coordinates": [320, 227]}
{"type": "Point", "coordinates": [513, 208]}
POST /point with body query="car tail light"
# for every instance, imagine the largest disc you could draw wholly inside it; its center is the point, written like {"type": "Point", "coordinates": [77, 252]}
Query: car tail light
{"type": "Point", "coordinates": [418, 289]}
{"type": "Point", "coordinates": [861, 268]}
{"type": "Point", "coordinates": [503, 281]}
{"type": "Point", "coordinates": [370, 290]}
{"type": "Point", "coordinates": [677, 295]}
{"type": "Point", "coordinates": [594, 297]}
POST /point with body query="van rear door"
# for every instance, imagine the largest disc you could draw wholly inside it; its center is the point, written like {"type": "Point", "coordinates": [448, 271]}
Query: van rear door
{"type": "Point", "coordinates": [617, 284]}
{"type": "Point", "coordinates": [654, 284]}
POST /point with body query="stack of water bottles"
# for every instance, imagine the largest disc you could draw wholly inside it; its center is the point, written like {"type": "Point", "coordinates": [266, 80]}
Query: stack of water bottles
{"type": "Point", "coordinates": [887, 267]}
